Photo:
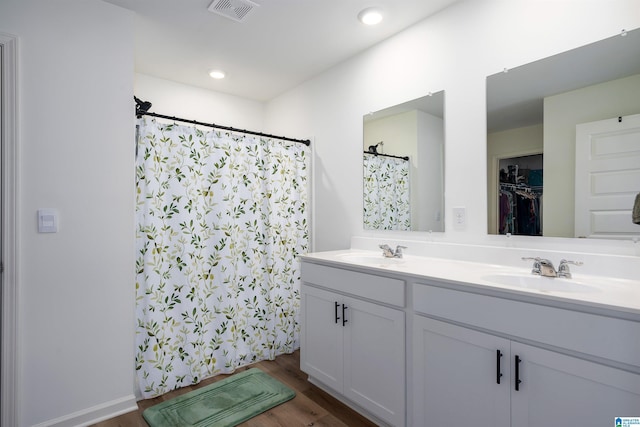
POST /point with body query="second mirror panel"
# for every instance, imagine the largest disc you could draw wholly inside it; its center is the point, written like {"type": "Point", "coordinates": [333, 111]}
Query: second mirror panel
{"type": "Point", "coordinates": [403, 166]}
{"type": "Point", "coordinates": [537, 108]}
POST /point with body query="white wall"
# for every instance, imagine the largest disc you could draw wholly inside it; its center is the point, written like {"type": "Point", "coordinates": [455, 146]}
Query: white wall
{"type": "Point", "coordinates": [453, 51]}
{"type": "Point", "coordinates": [188, 102]}
{"type": "Point", "coordinates": [76, 287]}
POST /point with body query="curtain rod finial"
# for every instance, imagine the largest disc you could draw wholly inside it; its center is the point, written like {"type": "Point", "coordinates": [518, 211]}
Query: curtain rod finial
{"type": "Point", "coordinates": [142, 107]}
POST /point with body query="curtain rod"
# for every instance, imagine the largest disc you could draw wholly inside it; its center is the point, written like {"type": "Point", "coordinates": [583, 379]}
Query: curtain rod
{"type": "Point", "coordinates": [143, 106]}
{"type": "Point", "coordinates": [387, 155]}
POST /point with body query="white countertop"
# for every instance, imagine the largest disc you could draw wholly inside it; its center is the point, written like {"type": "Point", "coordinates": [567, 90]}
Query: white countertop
{"type": "Point", "coordinates": [614, 295]}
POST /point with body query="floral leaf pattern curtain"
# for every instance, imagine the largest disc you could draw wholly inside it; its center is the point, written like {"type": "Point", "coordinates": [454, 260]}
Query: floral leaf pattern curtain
{"type": "Point", "coordinates": [387, 203]}
{"type": "Point", "coordinates": [220, 218]}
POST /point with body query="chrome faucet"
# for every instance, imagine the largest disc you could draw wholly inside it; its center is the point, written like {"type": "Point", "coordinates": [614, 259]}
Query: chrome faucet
{"type": "Point", "coordinates": [563, 268]}
{"type": "Point", "coordinates": [387, 252]}
{"type": "Point", "coordinates": [542, 267]}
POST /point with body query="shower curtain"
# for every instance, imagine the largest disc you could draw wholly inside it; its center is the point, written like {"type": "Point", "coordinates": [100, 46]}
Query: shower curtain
{"type": "Point", "coordinates": [221, 218]}
{"type": "Point", "coordinates": [387, 205]}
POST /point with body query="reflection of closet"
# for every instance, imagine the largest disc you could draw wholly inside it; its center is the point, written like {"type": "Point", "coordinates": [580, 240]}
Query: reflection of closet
{"type": "Point", "coordinates": [520, 195]}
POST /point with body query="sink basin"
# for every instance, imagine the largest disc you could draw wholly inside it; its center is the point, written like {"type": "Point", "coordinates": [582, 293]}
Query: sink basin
{"type": "Point", "coordinates": [369, 259]}
{"type": "Point", "coordinates": [540, 283]}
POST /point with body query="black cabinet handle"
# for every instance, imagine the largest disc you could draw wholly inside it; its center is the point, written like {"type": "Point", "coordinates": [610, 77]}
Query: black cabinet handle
{"type": "Point", "coordinates": [498, 370]}
{"type": "Point", "coordinates": [344, 317]}
{"type": "Point", "coordinates": [518, 381]}
{"type": "Point", "coordinates": [336, 311]}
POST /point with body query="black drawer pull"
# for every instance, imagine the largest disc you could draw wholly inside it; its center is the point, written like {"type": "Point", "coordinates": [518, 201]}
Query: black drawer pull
{"type": "Point", "coordinates": [498, 370]}
{"type": "Point", "coordinates": [518, 381]}
{"type": "Point", "coordinates": [336, 311]}
{"type": "Point", "coordinates": [344, 316]}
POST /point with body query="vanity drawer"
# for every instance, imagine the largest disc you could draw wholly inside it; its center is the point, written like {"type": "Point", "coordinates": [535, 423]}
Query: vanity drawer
{"type": "Point", "coordinates": [601, 336]}
{"type": "Point", "coordinates": [370, 286]}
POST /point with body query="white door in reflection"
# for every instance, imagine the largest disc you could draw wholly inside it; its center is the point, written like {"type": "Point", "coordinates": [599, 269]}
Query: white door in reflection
{"type": "Point", "coordinates": [607, 177]}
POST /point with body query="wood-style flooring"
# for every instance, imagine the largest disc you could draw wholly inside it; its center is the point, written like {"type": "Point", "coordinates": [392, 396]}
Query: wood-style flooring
{"type": "Point", "coordinates": [310, 407]}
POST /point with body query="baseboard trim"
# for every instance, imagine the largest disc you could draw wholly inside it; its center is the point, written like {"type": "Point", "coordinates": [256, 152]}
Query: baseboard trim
{"type": "Point", "coordinates": [95, 414]}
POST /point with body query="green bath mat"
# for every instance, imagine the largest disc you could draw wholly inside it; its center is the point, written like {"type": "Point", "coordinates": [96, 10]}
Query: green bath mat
{"type": "Point", "coordinates": [225, 403]}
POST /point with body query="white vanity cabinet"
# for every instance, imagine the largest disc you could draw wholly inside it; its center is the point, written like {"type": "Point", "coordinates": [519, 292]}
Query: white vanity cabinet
{"type": "Point", "coordinates": [543, 366]}
{"type": "Point", "coordinates": [557, 389]}
{"type": "Point", "coordinates": [353, 338]}
{"type": "Point", "coordinates": [454, 376]}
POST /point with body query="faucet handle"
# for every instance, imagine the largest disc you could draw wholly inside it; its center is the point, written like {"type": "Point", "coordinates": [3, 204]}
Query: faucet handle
{"type": "Point", "coordinates": [387, 252]}
{"type": "Point", "coordinates": [536, 264]}
{"type": "Point", "coordinates": [398, 253]}
{"type": "Point", "coordinates": [563, 268]}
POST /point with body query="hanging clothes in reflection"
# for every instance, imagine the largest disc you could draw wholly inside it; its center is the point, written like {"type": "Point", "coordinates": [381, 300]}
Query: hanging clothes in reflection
{"type": "Point", "coordinates": [520, 210]}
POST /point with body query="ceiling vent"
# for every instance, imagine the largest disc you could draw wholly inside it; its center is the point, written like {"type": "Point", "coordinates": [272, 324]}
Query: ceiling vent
{"type": "Point", "coordinates": [236, 10]}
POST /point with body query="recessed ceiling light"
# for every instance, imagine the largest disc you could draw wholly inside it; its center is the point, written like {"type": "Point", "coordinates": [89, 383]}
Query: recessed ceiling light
{"type": "Point", "coordinates": [217, 74]}
{"type": "Point", "coordinates": [370, 16]}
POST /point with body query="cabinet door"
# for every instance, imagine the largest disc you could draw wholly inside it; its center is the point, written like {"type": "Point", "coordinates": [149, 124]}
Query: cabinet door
{"type": "Point", "coordinates": [321, 336]}
{"type": "Point", "coordinates": [374, 354]}
{"type": "Point", "coordinates": [562, 390]}
{"type": "Point", "coordinates": [455, 376]}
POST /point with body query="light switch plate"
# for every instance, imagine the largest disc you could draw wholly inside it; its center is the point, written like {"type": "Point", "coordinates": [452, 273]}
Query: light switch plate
{"type": "Point", "coordinates": [459, 218]}
{"type": "Point", "coordinates": [47, 221]}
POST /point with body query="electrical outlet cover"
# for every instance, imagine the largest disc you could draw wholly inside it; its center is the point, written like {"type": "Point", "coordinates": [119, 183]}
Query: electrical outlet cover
{"type": "Point", "coordinates": [459, 218]}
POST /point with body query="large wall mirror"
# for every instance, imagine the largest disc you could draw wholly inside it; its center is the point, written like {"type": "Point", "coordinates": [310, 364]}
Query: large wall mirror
{"type": "Point", "coordinates": [403, 158]}
{"type": "Point", "coordinates": [563, 143]}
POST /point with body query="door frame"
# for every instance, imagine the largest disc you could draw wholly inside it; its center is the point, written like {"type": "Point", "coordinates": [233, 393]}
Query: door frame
{"type": "Point", "coordinates": [9, 226]}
